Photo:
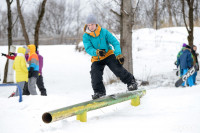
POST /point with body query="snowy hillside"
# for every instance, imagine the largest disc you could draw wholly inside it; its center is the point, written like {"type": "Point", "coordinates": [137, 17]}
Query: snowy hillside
{"type": "Point", "coordinates": [164, 109]}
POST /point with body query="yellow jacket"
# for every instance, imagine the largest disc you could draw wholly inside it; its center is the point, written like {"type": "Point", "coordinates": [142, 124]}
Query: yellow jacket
{"type": "Point", "coordinates": [19, 65]}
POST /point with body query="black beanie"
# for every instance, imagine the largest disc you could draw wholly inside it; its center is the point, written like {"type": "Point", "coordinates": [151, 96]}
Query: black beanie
{"type": "Point", "coordinates": [187, 46]}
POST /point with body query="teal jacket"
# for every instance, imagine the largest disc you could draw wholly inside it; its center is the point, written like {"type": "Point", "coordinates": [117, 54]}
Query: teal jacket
{"type": "Point", "coordinates": [100, 39]}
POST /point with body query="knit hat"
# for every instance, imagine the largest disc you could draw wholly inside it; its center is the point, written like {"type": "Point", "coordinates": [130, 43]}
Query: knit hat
{"type": "Point", "coordinates": [187, 46]}
{"type": "Point", "coordinates": [24, 46]}
{"type": "Point", "coordinates": [91, 19]}
{"type": "Point", "coordinates": [184, 45]}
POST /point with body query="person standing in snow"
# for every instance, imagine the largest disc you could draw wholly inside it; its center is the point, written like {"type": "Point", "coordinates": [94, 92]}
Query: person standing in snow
{"type": "Point", "coordinates": [97, 42]}
{"type": "Point", "coordinates": [20, 67]}
{"type": "Point", "coordinates": [186, 62]}
{"type": "Point", "coordinates": [195, 62]}
{"type": "Point", "coordinates": [33, 69]}
{"type": "Point", "coordinates": [177, 63]}
{"type": "Point", "coordinates": [39, 82]}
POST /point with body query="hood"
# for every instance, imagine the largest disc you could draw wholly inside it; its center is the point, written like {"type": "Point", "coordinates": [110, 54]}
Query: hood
{"type": "Point", "coordinates": [26, 49]}
{"type": "Point", "coordinates": [93, 34]}
{"type": "Point", "coordinates": [32, 48]}
{"type": "Point", "coordinates": [21, 50]}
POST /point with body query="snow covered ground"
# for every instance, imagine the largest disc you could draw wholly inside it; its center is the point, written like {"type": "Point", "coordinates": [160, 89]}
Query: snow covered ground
{"type": "Point", "coordinates": [164, 109]}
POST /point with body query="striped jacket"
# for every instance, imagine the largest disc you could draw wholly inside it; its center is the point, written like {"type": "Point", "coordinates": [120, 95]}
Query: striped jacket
{"type": "Point", "coordinates": [33, 62]}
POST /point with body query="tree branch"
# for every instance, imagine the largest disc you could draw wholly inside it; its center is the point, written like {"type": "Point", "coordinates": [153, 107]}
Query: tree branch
{"type": "Point", "coordinates": [17, 15]}
{"type": "Point", "coordinates": [11, 1]}
{"type": "Point", "coordinates": [137, 5]}
{"type": "Point", "coordinates": [117, 14]}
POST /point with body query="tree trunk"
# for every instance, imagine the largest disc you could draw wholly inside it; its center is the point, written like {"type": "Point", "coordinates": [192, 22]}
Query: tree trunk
{"type": "Point", "coordinates": [170, 13]}
{"type": "Point", "coordinates": [190, 29]}
{"type": "Point", "coordinates": [37, 27]}
{"type": "Point", "coordinates": [175, 18]}
{"type": "Point", "coordinates": [22, 23]}
{"type": "Point", "coordinates": [155, 17]}
{"type": "Point", "coordinates": [197, 13]}
{"type": "Point", "coordinates": [126, 33]}
{"type": "Point", "coordinates": [9, 14]}
{"type": "Point", "coordinates": [191, 22]}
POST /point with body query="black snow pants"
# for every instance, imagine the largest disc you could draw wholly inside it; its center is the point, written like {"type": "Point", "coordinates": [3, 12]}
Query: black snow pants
{"type": "Point", "coordinates": [97, 73]}
{"type": "Point", "coordinates": [40, 85]}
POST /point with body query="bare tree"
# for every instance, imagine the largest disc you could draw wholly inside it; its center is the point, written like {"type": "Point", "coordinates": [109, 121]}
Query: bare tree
{"type": "Point", "coordinates": [9, 14]}
{"type": "Point", "coordinates": [196, 18]}
{"type": "Point", "coordinates": [31, 19]}
{"type": "Point", "coordinates": [190, 29]}
{"type": "Point", "coordinates": [55, 20]}
{"type": "Point", "coordinates": [3, 24]}
{"type": "Point", "coordinates": [22, 23]}
{"type": "Point", "coordinates": [127, 17]}
{"type": "Point", "coordinates": [155, 16]}
{"type": "Point", "coordinates": [37, 27]}
{"type": "Point", "coordinates": [108, 14]}
{"type": "Point", "coordinates": [170, 13]}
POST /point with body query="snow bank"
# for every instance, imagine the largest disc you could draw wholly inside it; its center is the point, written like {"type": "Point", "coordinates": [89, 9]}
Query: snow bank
{"type": "Point", "coordinates": [66, 74]}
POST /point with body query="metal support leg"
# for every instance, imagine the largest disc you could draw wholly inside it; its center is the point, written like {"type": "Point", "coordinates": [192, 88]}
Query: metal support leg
{"type": "Point", "coordinates": [82, 117]}
{"type": "Point", "coordinates": [135, 101]}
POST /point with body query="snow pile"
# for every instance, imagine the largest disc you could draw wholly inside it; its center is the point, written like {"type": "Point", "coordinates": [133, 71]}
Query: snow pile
{"type": "Point", "coordinates": [66, 74]}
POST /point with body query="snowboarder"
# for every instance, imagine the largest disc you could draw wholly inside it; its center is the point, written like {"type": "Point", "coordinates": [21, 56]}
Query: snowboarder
{"type": "Point", "coordinates": [194, 55]}
{"type": "Point", "coordinates": [177, 63]}
{"type": "Point", "coordinates": [97, 42]}
{"type": "Point", "coordinates": [20, 67]}
{"type": "Point", "coordinates": [186, 62]}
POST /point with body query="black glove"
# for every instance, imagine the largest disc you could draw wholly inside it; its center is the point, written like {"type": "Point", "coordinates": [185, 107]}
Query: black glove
{"type": "Point", "coordinates": [30, 73]}
{"type": "Point", "coordinates": [120, 59]}
{"type": "Point", "coordinates": [101, 52]}
{"type": "Point", "coordinates": [12, 54]}
{"type": "Point", "coordinates": [197, 66]}
{"type": "Point", "coordinates": [2, 54]}
{"type": "Point", "coordinates": [177, 73]}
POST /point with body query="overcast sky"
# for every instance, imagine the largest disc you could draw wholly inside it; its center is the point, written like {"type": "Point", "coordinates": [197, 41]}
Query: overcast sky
{"type": "Point", "coordinates": [31, 4]}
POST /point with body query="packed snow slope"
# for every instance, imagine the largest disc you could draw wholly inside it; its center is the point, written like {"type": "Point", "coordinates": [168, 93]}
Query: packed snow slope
{"type": "Point", "coordinates": [164, 109]}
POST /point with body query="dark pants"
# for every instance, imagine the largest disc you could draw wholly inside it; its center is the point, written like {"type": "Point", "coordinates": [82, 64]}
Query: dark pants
{"type": "Point", "coordinates": [97, 73]}
{"type": "Point", "coordinates": [40, 85]}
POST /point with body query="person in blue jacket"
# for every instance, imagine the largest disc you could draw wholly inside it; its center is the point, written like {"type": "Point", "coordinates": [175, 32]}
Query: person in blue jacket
{"type": "Point", "coordinates": [177, 63]}
{"type": "Point", "coordinates": [186, 62]}
{"type": "Point", "coordinates": [105, 50]}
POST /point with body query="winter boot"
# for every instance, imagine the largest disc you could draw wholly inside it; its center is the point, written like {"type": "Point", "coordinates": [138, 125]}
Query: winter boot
{"type": "Point", "coordinates": [132, 86]}
{"type": "Point", "coordinates": [98, 95]}
{"type": "Point", "coordinates": [43, 93]}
